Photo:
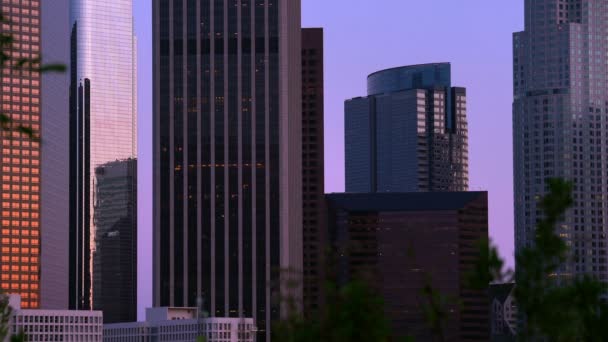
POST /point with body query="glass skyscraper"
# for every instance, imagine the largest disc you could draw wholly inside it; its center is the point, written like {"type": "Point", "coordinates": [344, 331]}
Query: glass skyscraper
{"type": "Point", "coordinates": [560, 125]}
{"type": "Point", "coordinates": [227, 155]}
{"type": "Point", "coordinates": [115, 255]}
{"type": "Point", "coordinates": [409, 134]}
{"type": "Point", "coordinates": [103, 119]}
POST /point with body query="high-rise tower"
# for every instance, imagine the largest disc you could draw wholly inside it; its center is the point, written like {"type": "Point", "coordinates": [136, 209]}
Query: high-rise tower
{"type": "Point", "coordinates": [115, 255]}
{"type": "Point", "coordinates": [103, 118]}
{"type": "Point", "coordinates": [409, 134]}
{"type": "Point", "coordinates": [560, 124]}
{"type": "Point", "coordinates": [227, 155]}
{"type": "Point", "coordinates": [55, 128]}
{"type": "Point", "coordinates": [313, 169]}
{"type": "Point", "coordinates": [20, 157]}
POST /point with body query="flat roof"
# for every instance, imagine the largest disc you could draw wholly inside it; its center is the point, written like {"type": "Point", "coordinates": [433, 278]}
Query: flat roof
{"type": "Point", "coordinates": [410, 201]}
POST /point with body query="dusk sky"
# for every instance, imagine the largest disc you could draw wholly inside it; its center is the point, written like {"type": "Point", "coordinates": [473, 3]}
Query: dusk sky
{"type": "Point", "coordinates": [363, 36]}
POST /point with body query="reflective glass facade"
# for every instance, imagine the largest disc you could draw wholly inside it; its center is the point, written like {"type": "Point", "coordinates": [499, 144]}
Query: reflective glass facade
{"type": "Point", "coordinates": [103, 118]}
{"type": "Point", "coordinates": [227, 154]}
{"type": "Point", "coordinates": [115, 255]}
{"type": "Point", "coordinates": [560, 125]}
{"type": "Point", "coordinates": [20, 159]}
{"type": "Point", "coordinates": [409, 134]}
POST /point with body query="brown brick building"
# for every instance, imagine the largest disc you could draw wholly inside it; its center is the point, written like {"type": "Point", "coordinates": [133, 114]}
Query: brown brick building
{"type": "Point", "coordinates": [20, 157]}
{"type": "Point", "coordinates": [400, 242]}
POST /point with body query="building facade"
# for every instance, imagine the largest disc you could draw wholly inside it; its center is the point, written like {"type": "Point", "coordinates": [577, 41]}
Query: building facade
{"type": "Point", "coordinates": [20, 156]}
{"type": "Point", "coordinates": [409, 133]}
{"type": "Point", "coordinates": [115, 254]}
{"type": "Point", "coordinates": [503, 313]}
{"type": "Point", "coordinates": [55, 325]}
{"type": "Point", "coordinates": [165, 324]}
{"type": "Point", "coordinates": [55, 158]}
{"type": "Point", "coordinates": [313, 168]}
{"type": "Point", "coordinates": [401, 242]}
{"type": "Point", "coordinates": [103, 119]}
{"type": "Point", "coordinates": [227, 155]}
{"type": "Point", "coordinates": [560, 125]}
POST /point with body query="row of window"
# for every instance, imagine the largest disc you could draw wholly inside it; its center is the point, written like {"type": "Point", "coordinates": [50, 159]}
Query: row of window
{"type": "Point", "coordinates": [17, 12]}
{"type": "Point", "coordinates": [5, 241]}
{"type": "Point", "coordinates": [19, 286]}
{"type": "Point", "coordinates": [19, 232]}
{"type": "Point", "coordinates": [23, 170]}
{"type": "Point", "coordinates": [20, 223]}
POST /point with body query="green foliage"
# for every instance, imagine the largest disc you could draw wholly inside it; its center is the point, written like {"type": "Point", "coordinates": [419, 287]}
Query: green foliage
{"type": "Point", "coordinates": [18, 338]}
{"type": "Point", "coordinates": [5, 314]}
{"type": "Point", "coordinates": [552, 303]}
{"type": "Point", "coordinates": [353, 313]}
{"type": "Point", "coordinates": [488, 267]}
{"type": "Point", "coordinates": [435, 309]}
{"type": "Point", "coordinates": [555, 305]}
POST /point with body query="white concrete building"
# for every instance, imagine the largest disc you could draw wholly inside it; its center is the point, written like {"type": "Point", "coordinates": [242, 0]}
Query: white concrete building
{"type": "Point", "coordinates": [180, 325]}
{"type": "Point", "coordinates": [55, 325]}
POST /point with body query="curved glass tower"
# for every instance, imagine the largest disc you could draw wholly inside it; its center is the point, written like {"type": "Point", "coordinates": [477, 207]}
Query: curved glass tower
{"type": "Point", "coordinates": [409, 134]}
{"type": "Point", "coordinates": [103, 120]}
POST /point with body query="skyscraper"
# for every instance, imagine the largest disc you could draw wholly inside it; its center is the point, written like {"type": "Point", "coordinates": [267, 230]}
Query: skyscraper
{"type": "Point", "coordinates": [313, 168]}
{"type": "Point", "coordinates": [560, 125]}
{"type": "Point", "coordinates": [103, 118]}
{"type": "Point", "coordinates": [227, 155]}
{"type": "Point", "coordinates": [115, 255]}
{"type": "Point", "coordinates": [55, 128]}
{"type": "Point", "coordinates": [20, 157]}
{"type": "Point", "coordinates": [409, 134]}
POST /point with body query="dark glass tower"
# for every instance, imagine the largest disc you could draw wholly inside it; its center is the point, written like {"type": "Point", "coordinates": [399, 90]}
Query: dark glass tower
{"type": "Point", "coordinates": [560, 125]}
{"type": "Point", "coordinates": [313, 168]}
{"type": "Point", "coordinates": [227, 155]}
{"type": "Point", "coordinates": [409, 134]}
{"type": "Point", "coordinates": [115, 254]}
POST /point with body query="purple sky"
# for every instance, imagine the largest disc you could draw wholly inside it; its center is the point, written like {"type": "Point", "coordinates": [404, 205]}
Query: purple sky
{"type": "Point", "coordinates": [363, 36]}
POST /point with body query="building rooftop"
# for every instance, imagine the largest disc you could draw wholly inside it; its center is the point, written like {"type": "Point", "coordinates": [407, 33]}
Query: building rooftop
{"type": "Point", "coordinates": [410, 67]}
{"type": "Point", "coordinates": [419, 76]}
{"type": "Point", "coordinates": [412, 201]}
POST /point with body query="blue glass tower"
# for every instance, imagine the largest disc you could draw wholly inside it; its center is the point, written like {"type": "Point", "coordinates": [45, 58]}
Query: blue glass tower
{"type": "Point", "coordinates": [409, 134]}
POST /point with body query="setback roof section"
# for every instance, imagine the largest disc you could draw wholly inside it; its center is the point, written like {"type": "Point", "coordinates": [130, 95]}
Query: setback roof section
{"type": "Point", "coordinates": [414, 201]}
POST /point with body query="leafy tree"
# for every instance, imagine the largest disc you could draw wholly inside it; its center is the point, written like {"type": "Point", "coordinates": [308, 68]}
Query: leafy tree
{"type": "Point", "coordinates": [352, 313]}
{"type": "Point", "coordinates": [551, 304]}
{"type": "Point", "coordinates": [554, 306]}
{"type": "Point", "coordinates": [5, 316]}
